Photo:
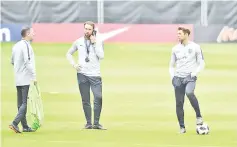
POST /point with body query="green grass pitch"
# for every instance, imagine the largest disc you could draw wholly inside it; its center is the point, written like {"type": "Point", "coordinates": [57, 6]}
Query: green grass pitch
{"type": "Point", "coordinates": [138, 99]}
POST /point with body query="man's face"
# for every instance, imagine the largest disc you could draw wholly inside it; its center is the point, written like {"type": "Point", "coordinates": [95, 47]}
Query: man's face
{"type": "Point", "coordinates": [88, 30]}
{"type": "Point", "coordinates": [31, 34]}
{"type": "Point", "coordinates": [181, 36]}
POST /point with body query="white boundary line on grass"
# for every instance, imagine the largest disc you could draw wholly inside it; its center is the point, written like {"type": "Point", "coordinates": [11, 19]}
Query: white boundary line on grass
{"type": "Point", "coordinates": [54, 92]}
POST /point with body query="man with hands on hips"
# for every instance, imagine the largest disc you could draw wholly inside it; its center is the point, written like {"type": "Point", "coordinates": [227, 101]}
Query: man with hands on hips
{"type": "Point", "coordinates": [90, 53]}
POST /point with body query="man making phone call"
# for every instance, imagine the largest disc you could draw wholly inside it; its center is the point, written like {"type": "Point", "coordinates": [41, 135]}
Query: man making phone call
{"type": "Point", "coordinates": [90, 52]}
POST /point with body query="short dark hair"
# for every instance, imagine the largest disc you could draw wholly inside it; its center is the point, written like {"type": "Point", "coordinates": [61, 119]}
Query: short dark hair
{"type": "Point", "coordinates": [90, 23]}
{"type": "Point", "coordinates": [24, 31]}
{"type": "Point", "coordinates": [185, 30]}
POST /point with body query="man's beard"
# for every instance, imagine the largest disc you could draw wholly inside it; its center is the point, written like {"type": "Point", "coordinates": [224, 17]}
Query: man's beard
{"type": "Point", "coordinates": [181, 40]}
{"type": "Point", "coordinates": [87, 36]}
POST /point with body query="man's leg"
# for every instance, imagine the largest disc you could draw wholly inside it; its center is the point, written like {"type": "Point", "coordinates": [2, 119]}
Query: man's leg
{"type": "Point", "coordinates": [14, 125]}
{"type": "Point", "coordinates": [193, 100]}
{"type": "Point", "coordinates": [96, 87]}
{"type": "Point", "coordinates": [84, 87]}
{"type": "Point", "coordinates": [22, 93]}
{"type": "Point", "coordinates": [25, 90]}
{"type": "Point", "coordinates": [19, 98]}
{"type": "Point", "coordinates": [179, 96]}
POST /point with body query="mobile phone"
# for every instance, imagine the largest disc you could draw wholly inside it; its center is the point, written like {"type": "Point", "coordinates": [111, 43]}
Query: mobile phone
{"type": "Point", "coordinates": [94, 33]}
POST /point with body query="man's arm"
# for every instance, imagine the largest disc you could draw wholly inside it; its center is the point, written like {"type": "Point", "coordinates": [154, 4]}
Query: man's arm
{"type": "Point", "coordinates": [172, 64]}
{"type": "Point", "coordinates": [28, 61]}
{"type": "Point", "coordinates": [70, 52]}
{"type": "Point", "coordinates": [99, 49]}
{"type": "Point", "coordinates": [200, 61]}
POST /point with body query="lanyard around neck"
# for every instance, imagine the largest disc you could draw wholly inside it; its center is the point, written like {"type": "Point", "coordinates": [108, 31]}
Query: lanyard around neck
{"type": "Point", "coordinates": [87, 46]}
{"type": "Point", "coordinates": [28, 51]}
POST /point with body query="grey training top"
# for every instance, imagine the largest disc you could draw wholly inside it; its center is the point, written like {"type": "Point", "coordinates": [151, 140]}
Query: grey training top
{"type": "Point", "coordinates": [188, 59]}
{"type": "Point", "coordinates": [23, 61]}
{"type": "Point", "coordinates": [96, 53]}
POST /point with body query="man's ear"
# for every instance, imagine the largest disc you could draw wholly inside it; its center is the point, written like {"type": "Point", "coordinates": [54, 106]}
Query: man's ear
{"type": "Point", "coordinates": [28, 33]}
